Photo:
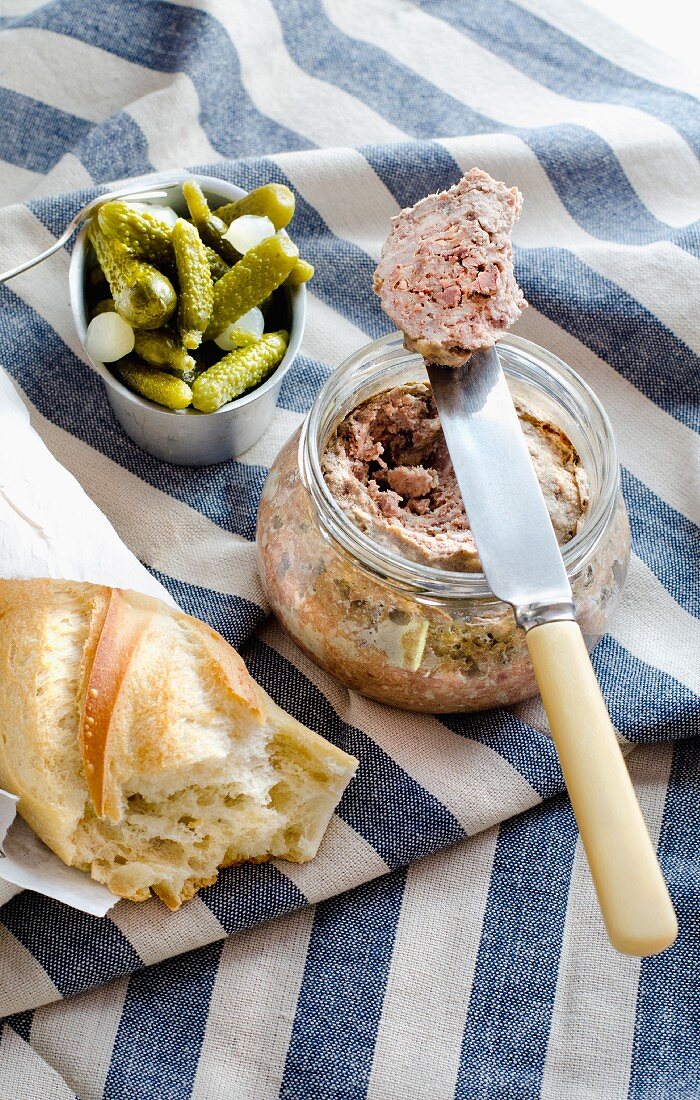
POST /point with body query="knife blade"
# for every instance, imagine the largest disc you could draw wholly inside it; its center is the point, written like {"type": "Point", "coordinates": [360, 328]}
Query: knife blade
{"type": "Point", "coordinates": [507, 513]}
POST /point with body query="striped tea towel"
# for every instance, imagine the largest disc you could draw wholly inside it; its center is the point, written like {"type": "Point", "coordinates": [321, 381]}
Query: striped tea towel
{"type": "Point", "coordinates": [362, 108]}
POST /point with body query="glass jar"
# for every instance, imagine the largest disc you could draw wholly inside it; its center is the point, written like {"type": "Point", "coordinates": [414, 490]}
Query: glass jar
{"type": "Point", "coordinates": [402, 632]}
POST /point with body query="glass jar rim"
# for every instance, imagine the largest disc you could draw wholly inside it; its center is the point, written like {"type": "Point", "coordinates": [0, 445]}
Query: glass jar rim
{"type": "Point", "coordinates": [380, 359]}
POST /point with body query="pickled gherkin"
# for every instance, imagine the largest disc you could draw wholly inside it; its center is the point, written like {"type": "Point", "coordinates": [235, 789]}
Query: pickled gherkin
{"type": "Point", "coordinates": [217, 266]}
{"type": "Point", "coordinates": [156, 385]}
{"type": "Point", "coordinates": [244, 339]}
{"type": "Point", "coordinates": [211, 228]}
{"type": "Point", "coordinates": [143, 296]}
{"type": "Point", "coordinates": [144, 234]}
{"type": "Point", "coordinates": [161, 348]}
{"type": "Point", "coordinates": [238, 371]}
{"type": "Point", "coordinates": [273, 201]}
{"type": "Point", "coordinates": [300, 273]}
{"type": "Point", "coordinates": [253, 278]}
{"type": "Point", "coordinates": [196, 201]}
{"type": "Point", "coordinates": [196, 286]}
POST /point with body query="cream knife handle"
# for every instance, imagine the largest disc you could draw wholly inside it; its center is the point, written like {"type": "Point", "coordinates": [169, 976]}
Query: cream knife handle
{"type": "Point", "coordinates": [632, 894]}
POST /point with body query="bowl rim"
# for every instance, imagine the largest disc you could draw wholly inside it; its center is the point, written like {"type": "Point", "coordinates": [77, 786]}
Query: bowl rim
{"type": "Point", "coordinates": [76, 279]}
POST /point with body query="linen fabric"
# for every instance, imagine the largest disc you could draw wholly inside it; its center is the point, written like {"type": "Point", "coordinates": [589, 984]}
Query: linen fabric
{"type": "Point", "coordinates": [406, 959]}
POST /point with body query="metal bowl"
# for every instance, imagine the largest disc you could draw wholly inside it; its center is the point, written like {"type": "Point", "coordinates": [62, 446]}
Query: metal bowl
{"type": "Point", "coordinates": [187, 437]}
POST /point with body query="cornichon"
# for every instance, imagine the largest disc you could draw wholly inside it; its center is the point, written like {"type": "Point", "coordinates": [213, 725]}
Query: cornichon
{"type": "Point", "coordinates": [211, 228]}
{"type": "Point", "coordinates": [273, 201]}
{"type": "Point", "coordinates": [217, 266]}
{"type": "Point", "coordinates": [300, 273]}
{"type": "Point", "coordinates": [156, 385]}
{"type": "Point", "coordinates": [196, 286]}
{"type": "Point", "coordinates": [143, 296]}
{"type": "Point", "coordinates": [238, 371]}
{"type": "Point", "coordinates": [142, 232]}
{"type": "Point", "coordinates": [252, 279]}
{"type": "Point", "coordinates": [242, 337]}
{"type": "Point", "coordinates": [163, 349]}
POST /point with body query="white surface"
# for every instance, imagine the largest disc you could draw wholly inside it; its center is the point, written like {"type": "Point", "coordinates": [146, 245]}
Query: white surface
{"type": "Point", "coordinates": [672, 28]}
{"type": "Point", "coordinates": [600, 32]}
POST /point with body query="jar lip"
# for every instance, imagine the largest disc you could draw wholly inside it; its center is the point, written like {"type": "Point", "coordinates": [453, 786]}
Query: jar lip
{"type": "Point", "coordinates": [387, 355]}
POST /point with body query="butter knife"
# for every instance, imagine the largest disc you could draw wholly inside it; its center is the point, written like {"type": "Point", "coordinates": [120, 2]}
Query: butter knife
{"type": "Point", "coordinates": [523, 566]}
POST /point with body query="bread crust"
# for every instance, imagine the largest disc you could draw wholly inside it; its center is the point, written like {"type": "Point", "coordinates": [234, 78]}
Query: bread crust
{"type": "Point", "coordinates": [146, 754]}
{"type": "Point", "coordinates": [115, 632]}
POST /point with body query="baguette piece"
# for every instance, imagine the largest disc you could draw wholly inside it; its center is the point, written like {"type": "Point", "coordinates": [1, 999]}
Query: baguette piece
{"type": "Point", "coordinates": [142, 750]}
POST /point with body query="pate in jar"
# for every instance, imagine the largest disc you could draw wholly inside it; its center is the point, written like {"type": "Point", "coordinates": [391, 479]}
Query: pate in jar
{"type": "Point", "coordinates": [365, 551]}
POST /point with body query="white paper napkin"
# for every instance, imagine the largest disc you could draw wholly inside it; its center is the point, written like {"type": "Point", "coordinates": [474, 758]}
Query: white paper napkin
{"type": "Point", "coordinates": [49, 527]}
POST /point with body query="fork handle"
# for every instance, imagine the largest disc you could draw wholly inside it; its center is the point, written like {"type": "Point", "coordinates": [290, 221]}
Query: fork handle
{"type": "Point", "coordinates": [632, 894]}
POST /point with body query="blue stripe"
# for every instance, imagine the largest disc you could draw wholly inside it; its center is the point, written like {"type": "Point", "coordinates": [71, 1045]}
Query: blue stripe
{"type": "Point", "coordinates": [21, 1022]}
{"type": "Point", "coordinates": [411, 169]}
{"type": "Point", "coordinates": [340, 1001]}
{"type": "Point", "coordinates": [600, 197]}
{"type": "Point", "coordinates": [247, 895]}
{"type": "Point", "coordinates": [157, 36]}
{"type": "Point", "coordinates": [55, 211]}
{"type": "Point", "coordinates": [302, 383]}
{"type": "Point", "coordinates": [76, 950]}
{"type": "Point", "coordinates": [530, 752]}
{"type": "Point", "coordinates": [373, 76]}
{"type": "Point", "coordinates": [114, 150]}
{"type": "Point", "coordinates": [510, 1008]}
{"type": "Point", "coordinates": [567, 67]}
{"type": "Point", "coordinates": [156, 1050]}
{"type": "Point", "coordinates": [399, 818]}
{"type": "Point", "coordinates": [34, 135]}
{"type": "Point", "coordinates": [666, 1051]}
{"type": "Point", "coordinates": [615, 326]}
{"type": "Point", "coordinates": [666, 541]}
{"type": "Point", "coordinates": [645, 704]}
{"type": "Point", "coordinates": [422, 110]}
